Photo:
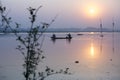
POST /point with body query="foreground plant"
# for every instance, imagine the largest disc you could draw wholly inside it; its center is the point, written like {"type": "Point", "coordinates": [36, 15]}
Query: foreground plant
{"type": "Point", "coordinates": [30, 44]}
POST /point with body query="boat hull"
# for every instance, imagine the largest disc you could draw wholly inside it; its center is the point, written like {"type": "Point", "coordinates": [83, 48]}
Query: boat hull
{"type": "Point", "coordinates": [61, 37]}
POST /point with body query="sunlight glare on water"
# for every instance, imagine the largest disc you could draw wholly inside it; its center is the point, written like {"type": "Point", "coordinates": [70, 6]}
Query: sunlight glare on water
{"type": "Point", "coordinates": [92, 51]}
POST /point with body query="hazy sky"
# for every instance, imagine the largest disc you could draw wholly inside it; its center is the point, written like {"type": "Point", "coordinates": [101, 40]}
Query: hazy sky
{"type": "Point", "coordinates": [72, 13]}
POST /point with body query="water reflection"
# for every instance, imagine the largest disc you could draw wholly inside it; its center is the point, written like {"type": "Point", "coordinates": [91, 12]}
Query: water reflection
{"type": "Point", "coordinates": [93, 48]}
{"type": "Point", "coordinates": [68, 41]}
{"type": "Point", "coordinates": [92, 51]}
{"type": "Point", "coordinates": [113, 45]}
{"type": "Point", "coordinates": [101, 45]}
{"type": "Point", "coordinates": [53, 40]}
{"type": "Point", "coordinates": [84, 51]}
{"type": "Point", "coordinates": [92, 33]}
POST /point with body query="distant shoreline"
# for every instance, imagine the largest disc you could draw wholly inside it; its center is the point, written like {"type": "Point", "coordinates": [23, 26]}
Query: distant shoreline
{"type": "Point", "coordinates": [62, 31]}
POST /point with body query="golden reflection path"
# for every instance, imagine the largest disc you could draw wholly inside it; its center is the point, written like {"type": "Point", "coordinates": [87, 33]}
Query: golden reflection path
{"type": "Point", "coordinates": [92, 50]}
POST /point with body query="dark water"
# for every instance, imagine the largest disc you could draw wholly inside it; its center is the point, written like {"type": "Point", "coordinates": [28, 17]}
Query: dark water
{"type": "Point", "coordinates": [98, 57]}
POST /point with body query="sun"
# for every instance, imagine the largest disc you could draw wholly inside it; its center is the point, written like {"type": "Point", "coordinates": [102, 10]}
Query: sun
{"type": "Point", "coordinates": [92, 11]}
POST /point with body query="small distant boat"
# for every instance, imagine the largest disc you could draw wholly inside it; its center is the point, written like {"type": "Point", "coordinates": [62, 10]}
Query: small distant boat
{"type": "Point", "coordinates": [101, 35]}
{"type": "Point", "coordinates": [79, 34]}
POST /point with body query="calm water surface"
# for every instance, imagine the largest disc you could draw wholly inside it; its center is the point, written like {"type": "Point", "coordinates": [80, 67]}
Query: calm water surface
{"type": "Point", "coordinates": [98, 57]}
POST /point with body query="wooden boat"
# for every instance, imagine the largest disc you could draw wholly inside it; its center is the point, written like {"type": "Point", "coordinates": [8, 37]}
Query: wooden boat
{"type": "Point", "coordinates": [67, 37]}
{"type": "Point", "coordinates": [61, 37]}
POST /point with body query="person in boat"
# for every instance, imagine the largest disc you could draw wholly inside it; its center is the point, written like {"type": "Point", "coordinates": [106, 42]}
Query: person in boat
{"type": "Point", "coordinates": [53, 36]}
{"type": "Point", "coordinates": [69, 36]}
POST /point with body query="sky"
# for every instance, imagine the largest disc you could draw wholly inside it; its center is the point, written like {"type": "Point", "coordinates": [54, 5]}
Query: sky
{"type": "Point", "coordinates": [71, 13]}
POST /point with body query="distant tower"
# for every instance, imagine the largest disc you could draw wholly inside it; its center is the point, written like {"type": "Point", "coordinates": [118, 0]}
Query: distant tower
{"type": "Point", "coordinates": [113, 24]}
{"type": "Point", "coordinates": [101, 35]}
{"type": "Point", "coordinates": [113, 29]}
